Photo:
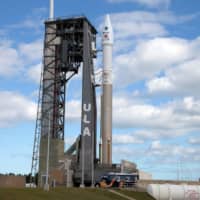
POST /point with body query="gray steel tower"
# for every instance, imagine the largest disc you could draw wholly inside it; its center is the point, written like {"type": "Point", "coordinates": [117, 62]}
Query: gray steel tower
{"type": "Point", "coordinates": [68, 43]}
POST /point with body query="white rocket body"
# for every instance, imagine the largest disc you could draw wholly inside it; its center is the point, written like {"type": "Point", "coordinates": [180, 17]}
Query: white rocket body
{"type": "Point", "coordinates": [106, 99]}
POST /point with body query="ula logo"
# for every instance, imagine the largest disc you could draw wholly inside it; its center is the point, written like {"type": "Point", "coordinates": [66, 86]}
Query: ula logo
{"type": "Point", "coordinates": [86, 108]}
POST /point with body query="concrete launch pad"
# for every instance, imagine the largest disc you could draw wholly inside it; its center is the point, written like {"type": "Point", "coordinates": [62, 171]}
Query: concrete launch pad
{"type": "Point", "coordinates": [69, 44]}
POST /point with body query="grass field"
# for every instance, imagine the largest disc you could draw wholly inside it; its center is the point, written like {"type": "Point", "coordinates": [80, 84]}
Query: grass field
{"type": "Point", "coordinates": [66, 194]}
{"type": "Point", "coordinates": [136, 195]}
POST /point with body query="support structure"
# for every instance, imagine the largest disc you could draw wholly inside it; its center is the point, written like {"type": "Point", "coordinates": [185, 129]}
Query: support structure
{"type": "Point", "coordinates": [68, 44]}
{"type": "Point", "coordinates": [88, 122]}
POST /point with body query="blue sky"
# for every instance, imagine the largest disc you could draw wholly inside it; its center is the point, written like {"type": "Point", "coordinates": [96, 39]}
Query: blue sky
{"type": "Point", "coordinates": [156, 101]}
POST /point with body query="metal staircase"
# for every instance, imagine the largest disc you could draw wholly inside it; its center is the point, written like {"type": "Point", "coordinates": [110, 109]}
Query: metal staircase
{"type": "Point", "coordinates": [36, 145]}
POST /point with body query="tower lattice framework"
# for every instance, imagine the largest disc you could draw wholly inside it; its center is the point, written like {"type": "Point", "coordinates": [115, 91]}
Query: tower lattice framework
{"type": "Point", "coordinates": [67, 44]}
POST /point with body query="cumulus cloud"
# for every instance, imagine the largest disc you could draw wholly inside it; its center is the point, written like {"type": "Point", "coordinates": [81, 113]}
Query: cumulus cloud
{"type": "Point", "coordinates": [163, 18]}
{"type": "Point", "coordinates": [156, 153]}
{"type": "Point", "coordinates": [194, 141]}
{"type": "Point", "coordinates": [18, 59]}
{"type": "Point", "coordinates": [173, 151]}
{"type": "Point", "coordinates": [143, 47]}
{"type": "Point", "coordinates": [130, 26]}
{"type": "Point", "coordinates": [34, 73]}
{"type": "Point", "coordinates": [10, 61]}
{"type": "Point", "coordinates": [149, 3]}
{"type": "Point", "coordinates": [168, 120]}
{"type": "Point", "coordinates": [183, 79]}
{"type": "Point", "coordinates": [15, 108]}
{"type": "Point", "coordinates": [147, 121]}
{"type": "Point", "coordinates": [141, 23]}
{"type": "Point", "coordinates": [126, 139]}
{"type": "Point", "coordinates": [31, 51]}
{"type": "Point", "coordinates": [160, 84]}
{"type": "Point", "coordinates": [151, 57]}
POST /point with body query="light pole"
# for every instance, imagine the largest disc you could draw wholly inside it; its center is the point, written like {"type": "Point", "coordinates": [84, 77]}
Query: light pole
{"type": "Point", "coordinates": [46, 186]}
{"type": "Point", "coordinates": [92, 164]}
{"type": "Point", "coordinates": [83, 162]}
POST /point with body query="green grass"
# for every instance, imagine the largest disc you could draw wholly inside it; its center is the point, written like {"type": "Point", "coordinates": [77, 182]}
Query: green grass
{"type": "Point", "coordinates": [136, 195]}
{"type": "Point", "coordinates": [65, 194]}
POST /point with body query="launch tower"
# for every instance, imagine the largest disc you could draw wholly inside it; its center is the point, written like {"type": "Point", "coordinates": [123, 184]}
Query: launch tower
{"type": "Point", "coordinates": [69, 43]}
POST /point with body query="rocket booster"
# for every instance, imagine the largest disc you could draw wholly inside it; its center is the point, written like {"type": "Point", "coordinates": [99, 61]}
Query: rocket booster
{"type": "Point", "coordinates": [106, 98]}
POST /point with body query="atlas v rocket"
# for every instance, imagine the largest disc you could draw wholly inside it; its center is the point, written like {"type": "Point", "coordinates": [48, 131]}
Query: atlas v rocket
{"type": "Point", "coordinates": [106, 98]}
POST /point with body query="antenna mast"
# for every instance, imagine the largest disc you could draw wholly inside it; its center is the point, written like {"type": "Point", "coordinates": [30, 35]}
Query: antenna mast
{"type": "Point", "coordinates": [51, 13]}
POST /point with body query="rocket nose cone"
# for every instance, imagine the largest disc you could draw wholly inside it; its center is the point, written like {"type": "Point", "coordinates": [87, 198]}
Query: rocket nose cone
{"type": "Point", "coordinates": [107, 24]}
{"type": "Point", "coordinates": [107, 31]}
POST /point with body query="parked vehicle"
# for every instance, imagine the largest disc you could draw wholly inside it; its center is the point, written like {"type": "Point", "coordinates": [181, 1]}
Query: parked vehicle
{"type": "Point", "coordinates": [117, 180]}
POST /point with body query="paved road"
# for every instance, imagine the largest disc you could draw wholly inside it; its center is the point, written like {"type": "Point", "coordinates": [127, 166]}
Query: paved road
{"type": "Point", "coordinates": [121, 195]}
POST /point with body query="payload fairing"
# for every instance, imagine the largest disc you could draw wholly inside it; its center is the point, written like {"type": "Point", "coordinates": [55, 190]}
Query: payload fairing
{"type": "Point", "coordinates": [106, 99]}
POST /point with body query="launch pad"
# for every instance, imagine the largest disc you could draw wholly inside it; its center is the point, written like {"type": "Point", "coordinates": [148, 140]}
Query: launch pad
{"type": "Point", "coordinates": [69, 44]}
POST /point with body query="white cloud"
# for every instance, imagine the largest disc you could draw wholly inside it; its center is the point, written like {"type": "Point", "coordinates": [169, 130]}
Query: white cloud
{"type": "Point", "coordinates": [151, 57]}
{"type": "Point", "coordinates": [149, 3]}
{"type": "Point", "coordinates": [31, 51]}
{"type": "Point", "coordinates": [184, 79]}
{"type": "Point", "coordinates": [16, 59]}
{"type": "Point", "coordinates": [172, 151]}
{"type": "Point", "coordinates": [130, 28]}
{"type": "Point", "coordinates": [194, 140]}
{"type": "Point", "coordinates": [168, 120]}
{"type": "Point", "coordinates": [161, 158]}
{"type": "Point", "coordinates": [15, 108]}
{"type": "Point", "coordinates": [142, 49]}
{"type": "Point", "coordinates": [10, 61]}
{"type": "Point", "coordinates": [155, 133]}
{"type": "Point", "coordinates": [156, 145]}
{"type": "Point", "coordinates": [154, 153]}
{"type": "Point", "coordinates": [126, 139]}
{"type": "Point", "coordinates": [140, 23]}
{"type": "Point", "coordinates": [164, 18]}
{"type": "Point", "coordinates": [158, 84]}
{"type": "Point", "coordinates": [189, 105]}
{"type": "Point", "coordinates": [34, 73]}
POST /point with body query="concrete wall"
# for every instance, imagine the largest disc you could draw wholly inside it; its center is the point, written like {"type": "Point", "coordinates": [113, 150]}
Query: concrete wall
{"type": "Point", "coordinates": [142, 184]}
{"type": "Point", "coordinates": [12, 181]}
{"type": "Point", "coordinates": [56, 154]}
{"type": "Point", "coordinates": [58, 176]}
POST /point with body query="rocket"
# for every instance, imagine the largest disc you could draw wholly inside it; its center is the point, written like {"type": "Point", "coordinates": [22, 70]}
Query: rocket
{"type": "Point", "coordinates": [106, 98]}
